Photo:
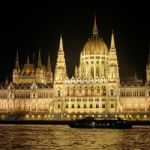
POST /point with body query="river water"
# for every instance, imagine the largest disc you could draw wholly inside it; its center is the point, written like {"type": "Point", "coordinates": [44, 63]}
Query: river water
{"type": "Point", "coordinates": [50, 137]}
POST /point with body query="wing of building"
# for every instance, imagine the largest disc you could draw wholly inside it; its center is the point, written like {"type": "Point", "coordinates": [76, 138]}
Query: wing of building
{"type": "Point", "coordinates": [94, 89]}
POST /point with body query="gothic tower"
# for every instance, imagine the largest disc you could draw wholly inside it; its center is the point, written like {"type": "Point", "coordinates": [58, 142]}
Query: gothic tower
{"type": "Point", "coordinates": [113, 62]}
{"type": "Point", "coordinates": [60, 70]}
{"type": "Point", "coordinates": [17, 62]}
{"type": "Point", "coordinates": [49, 71]}
{"type": "Point", "coordinates": [113, 75]}
{"type": "Point", "coordinates": [39, 60]}
{"type": "Point", "coordinates": [148, 67]}
{"type": "Point", "coordinates": [16, 71]}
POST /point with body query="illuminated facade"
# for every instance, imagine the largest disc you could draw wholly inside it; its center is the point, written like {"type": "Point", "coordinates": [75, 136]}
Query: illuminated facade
{"type": "Point", "coordinates": [32, 73]}
{"type": "Point", "coordinates": [94, 90]}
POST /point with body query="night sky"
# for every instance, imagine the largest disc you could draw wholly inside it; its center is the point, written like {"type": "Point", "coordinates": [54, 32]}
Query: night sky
{"type": "Point", "coordinates": [29, 26]}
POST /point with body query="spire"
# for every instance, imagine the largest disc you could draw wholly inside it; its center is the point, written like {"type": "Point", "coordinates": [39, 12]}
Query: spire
{"type": "Point", "coordinates": [95, 30]}
{"type": "Point", "coordinates": [48, 64]}
{"type": "Point", "coordinates": [33, 58]}
{"type": "Point", "coordinates": [60, 69]}
{"type": "Point", "coordinates": [6, 81]}
{"type": "Point", "coordinates": [135, 77]}
{"type": "Point", "coordinates": [17, 61]}
{"type": "Point", "coordinates": [61, 43]}
{"type": "Point", "coordinates": [76, 71]}
{"type": "Point", "coordinates": [149, 54]}
{"type": "Point", "coordinates": [112, 45]}
{"type": "Point", "coordinates": [28, 62]}
{"type": "Point", "coordinates": [39, 59]}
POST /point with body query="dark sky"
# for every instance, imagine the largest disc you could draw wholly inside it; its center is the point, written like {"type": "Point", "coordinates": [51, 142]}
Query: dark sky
{"type": "Point", "coordinates": [29, 26]}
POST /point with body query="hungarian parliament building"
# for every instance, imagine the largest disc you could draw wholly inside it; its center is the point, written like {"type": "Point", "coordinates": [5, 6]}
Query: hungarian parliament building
{"type": "Point", "coordinates": [95, 89]}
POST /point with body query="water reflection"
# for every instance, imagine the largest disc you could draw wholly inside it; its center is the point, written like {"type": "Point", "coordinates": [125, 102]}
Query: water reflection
{"type": "Point", "coordinates": [28, 137]}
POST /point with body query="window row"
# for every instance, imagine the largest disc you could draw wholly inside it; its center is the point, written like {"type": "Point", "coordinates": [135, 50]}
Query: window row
{"type": "Point", "coordinates": [3, 95]}
{"type": "Point", "coordinates": [85, 100]}
{"type": "Point", "coordinates": [132, 94]}
{"type": "Point", "coordinates": [85, 106]}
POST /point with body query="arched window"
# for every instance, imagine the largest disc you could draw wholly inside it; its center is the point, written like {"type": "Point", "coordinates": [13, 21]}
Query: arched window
{"type": "Point", "coordinates": [80, 91]}
{"type": "Point", "coordinates": [58, 105]}
{"type": "Point", "coordinates": [33, 95]}
{"type": "Point", "coordinates": [111, 92]}
{"type": "Point", "coordinates": [82, 70]}
{"type": "Point", "coordinates": [73, 92]}
{"type": "Point", "coordinates": [112, 75]}
{"type": "Point", "coordinates": [72, 106]}
{"type": "Point", "coordinates": [103, 91]}
{"type": "Point", "coordinates": [66, 105]}
{"type": "Point", "coordinates": [92, 72]}
{"type": "Point", "coordinates": [84, 106]}
{"type": "Point", "coordinates": [103, 105]}
{"type": "Point", "coordinates": [68, 91]}
{"type": "Point", "coordinates": [97, 72]}
{"type": "Point", "coordinates": [112, 105]}
{"type": "Point", "coordinates": [92, 92]}
{"type": "Point", "coordinates": [91, 106]}
{"type": "Point", "coordinates": [98, 90]}
{"type": "Point", "coordinates": [78, 106]}
{"type": "Point", "coordinates": [97, 105]}
{"type": "Point", "coordinates": [86, 92]}
{"type": "Point", "coordinates": [58, 93]}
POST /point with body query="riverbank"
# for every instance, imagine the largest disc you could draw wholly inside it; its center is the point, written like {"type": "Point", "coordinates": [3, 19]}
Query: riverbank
{"type": "Point", "coordinates": [35, 122]}
{"type": "Point", "coordinates": [59, 122]}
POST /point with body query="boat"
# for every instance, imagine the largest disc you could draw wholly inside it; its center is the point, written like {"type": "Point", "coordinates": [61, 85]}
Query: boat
{"type": "Point", "coordinates": [91, 122]}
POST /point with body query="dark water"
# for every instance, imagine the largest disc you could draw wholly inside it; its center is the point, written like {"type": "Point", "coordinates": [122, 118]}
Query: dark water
{"type": "Point", "coordinates": [43, 137]}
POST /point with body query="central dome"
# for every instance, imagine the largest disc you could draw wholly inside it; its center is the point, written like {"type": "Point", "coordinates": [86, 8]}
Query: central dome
{"type": "Point", "coordinates": [95, 45]}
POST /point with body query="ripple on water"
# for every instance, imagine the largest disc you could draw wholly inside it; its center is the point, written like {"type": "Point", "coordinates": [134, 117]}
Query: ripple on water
{"type": "Point", "coordinates": [28, 137]}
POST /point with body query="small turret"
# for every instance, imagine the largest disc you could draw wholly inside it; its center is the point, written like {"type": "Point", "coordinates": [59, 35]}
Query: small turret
{"type": "Point", "coordinates": [148, 67]}
{"type": "Point", "coordinates": [48, 64]}
{"type": "Point", "coordinates": [112, 45]}
{"type": "Point", "coordinates": [28, 61]}
{"type": "Point", "coordinates": [17, 62]}
{"type": "Point", "coordinates": [76, 72]}
{"type": "Point", "coordinates": [95, 30]}
{"type": "Point", "coordinates": [49, 71]}
{"type": "Point", "coordinates": [39, 60]}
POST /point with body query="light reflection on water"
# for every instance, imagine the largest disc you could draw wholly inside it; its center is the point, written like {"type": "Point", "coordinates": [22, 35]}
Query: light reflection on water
{"type": "Point", "coordinates": [28, 137]}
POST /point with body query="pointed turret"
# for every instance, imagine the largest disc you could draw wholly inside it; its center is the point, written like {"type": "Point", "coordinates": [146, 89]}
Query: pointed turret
{"type": "Point", "coordinates": [17, 61]}
{"type": "Point", "coordinates": [76, 72]}
{"type": "Point", "coordinates": [6, 82]}
{"type": "Point", "coordinates": [149, 54]}
{"type": "Point", "coordinates": [61, 43]}
{"type": "Point", "coordinates": [148, 67]}
{"type": "Point", "coordinates": [112, 45]}
{"type": "Point", "coordinates": [49, 71]}
{"type": "Point", "coordinates": [28, 61]}
{"type": "Point", "coordinates": [135, 77]}
{"type": "Point", "coordinates": [113, 62]}
{"type": "Point", "coordinates": [48, 64]}
{"type": "Point", "coordinates": [39, 60]}
{"type": "Point", "coordinates": [33, 58]}
{"type": "Point", "coordinates": [60, 70]}
{"type": "Point", "coordinates": [95, 30]}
